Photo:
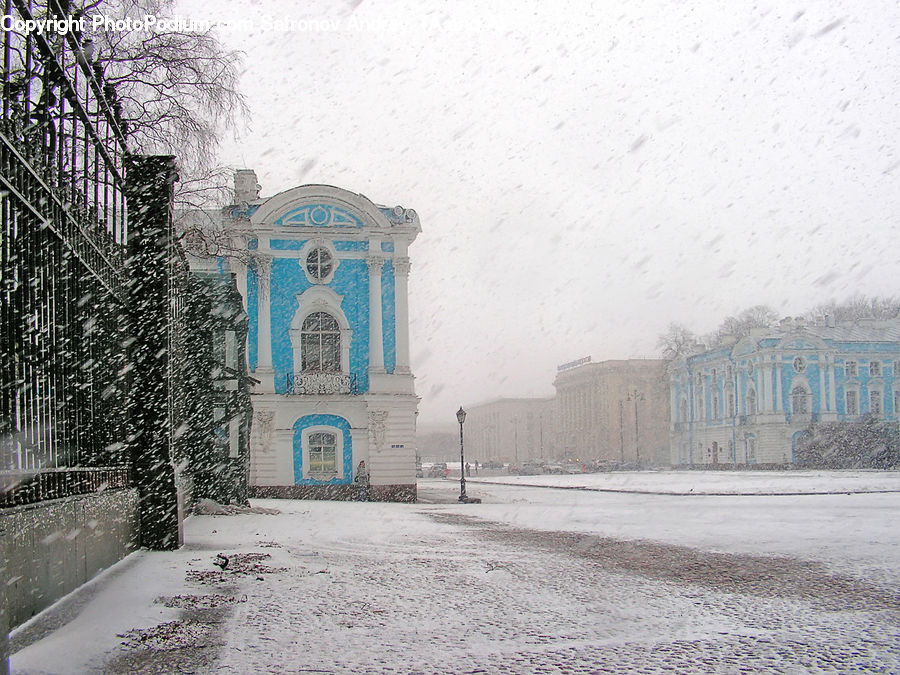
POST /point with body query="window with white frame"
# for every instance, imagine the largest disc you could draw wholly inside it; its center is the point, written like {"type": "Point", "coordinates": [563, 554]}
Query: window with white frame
{"type": "Point", "coordinates": [715, 407]}
{"type": "Point", "coordinates": [322, 453]}
{"type": "Point", "coordinates": [875, 368]}
{"type": "Point", "coordinates": [799, 401]}
{"type": "Point", "coordinates": [896, 402]}
{"type": "Point", "coordinates": [852, 399]}
{"type": "Point", "coordinates": [751, 448]}
{"type": "Point", "coordinates": [875, 399]}
{"type": "Point", "coordinates": [319, 263]}
{"type": "Point", "coordinates": [320, 344]}
{"type": "Point", "coordinates": [850, 369]}
{"type": "Point", "coordinates": [751, 401]}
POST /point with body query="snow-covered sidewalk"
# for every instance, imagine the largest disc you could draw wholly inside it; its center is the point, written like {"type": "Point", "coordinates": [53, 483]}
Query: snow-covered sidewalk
{"type": "Point", "coordinates": [531, 580]}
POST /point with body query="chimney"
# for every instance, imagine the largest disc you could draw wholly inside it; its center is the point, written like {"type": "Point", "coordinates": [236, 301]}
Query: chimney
{"type": "Point", "coordinates": [246, 186]}
{"type": "Point", "coordinates": [829, 320]}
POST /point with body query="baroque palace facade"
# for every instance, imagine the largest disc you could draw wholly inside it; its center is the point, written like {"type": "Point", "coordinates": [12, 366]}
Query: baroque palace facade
{"type": "Point", "coordinates": [750, 402]}
{"type": "Point", "coordinates": [325, 289]}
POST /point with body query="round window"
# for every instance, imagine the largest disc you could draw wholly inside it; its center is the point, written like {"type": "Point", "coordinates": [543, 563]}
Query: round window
{"type": "Point", "coordinates": [799, 364]}
{"type": "Point", "coordinates": [319, 263]}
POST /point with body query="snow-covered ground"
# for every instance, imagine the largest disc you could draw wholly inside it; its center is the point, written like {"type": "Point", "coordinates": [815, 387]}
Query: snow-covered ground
{"type": "Point", "coordinates": [530, 580]}
{"type": "Point", "coordinates": [715, 482]}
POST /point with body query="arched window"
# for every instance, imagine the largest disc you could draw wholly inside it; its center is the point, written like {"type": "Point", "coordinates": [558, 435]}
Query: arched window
{"type": "Point", "coordinates": [875, 399]}
{"type": "Point", "coordinates": [751, 401]}
{"type": "Point", "coordinates": [320, 344]}
{"type": "Point", "coordinates": [799, 401]}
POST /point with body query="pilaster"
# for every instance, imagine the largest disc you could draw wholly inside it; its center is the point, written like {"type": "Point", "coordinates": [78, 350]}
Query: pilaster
{"type": "Point", "coordinates": [401, 309]}
{"type": "Point", "coordinates": [376, 338]}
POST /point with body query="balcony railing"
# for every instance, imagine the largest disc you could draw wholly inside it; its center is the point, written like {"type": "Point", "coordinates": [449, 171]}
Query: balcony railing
{"type": "Point", "coordinates": [321, 384]}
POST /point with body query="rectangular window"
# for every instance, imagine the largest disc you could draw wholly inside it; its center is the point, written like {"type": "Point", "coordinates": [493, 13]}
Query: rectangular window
{"type": "Point", "coordinates": [896, 368]}
{"type": "Point", "coordinates": [896, 402]}
{"type": "Point", "coordinates": [852, 403]}
{"type": "Point", "coordinates": [850, 369]}
{"type": "Point", "coordinates": [875, 402]}
{"type": "Point", "coordinates": [322, 446]}
{"type": "Point", "coordinates": [234, 437]}
{"type": "Point", "coordinates": [875, 368]}
{"type": "Point", "coordinates": [231, 349]}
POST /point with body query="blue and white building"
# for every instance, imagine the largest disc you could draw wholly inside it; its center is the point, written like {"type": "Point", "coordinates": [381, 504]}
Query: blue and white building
{"type": "Point", "coordinates": [325, 287]}
{"type": "Point", "coordinates": [749, 402]}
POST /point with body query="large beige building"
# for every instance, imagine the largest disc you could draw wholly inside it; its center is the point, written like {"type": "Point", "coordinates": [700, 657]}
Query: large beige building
{"type": "Point", "coordinates": [513, 430]}
{"type": "Point", "coordinates": [614, 411]}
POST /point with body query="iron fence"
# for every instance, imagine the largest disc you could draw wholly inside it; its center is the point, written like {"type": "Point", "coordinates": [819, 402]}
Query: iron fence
{"type": "Point", "coordinates": [63, 215]}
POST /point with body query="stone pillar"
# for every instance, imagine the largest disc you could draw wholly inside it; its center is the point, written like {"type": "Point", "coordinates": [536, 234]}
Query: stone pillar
{"type": "Point", "coordinates": [376, 338]}
{"type": "Point", "coordinates": [152, 271]}
{"type": "Point", "coordinates": [401, 314]}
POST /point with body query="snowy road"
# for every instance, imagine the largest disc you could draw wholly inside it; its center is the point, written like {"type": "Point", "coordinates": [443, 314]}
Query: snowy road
{"type": "Point", "coordinates": [531, 581]}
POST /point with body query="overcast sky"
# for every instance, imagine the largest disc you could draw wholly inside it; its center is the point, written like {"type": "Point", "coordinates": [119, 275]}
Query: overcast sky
{"type": "Point", "coordinates": [587, 172]}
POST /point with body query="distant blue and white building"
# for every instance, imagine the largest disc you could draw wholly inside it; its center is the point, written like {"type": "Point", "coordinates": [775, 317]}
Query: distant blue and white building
{"type": "Point", "coordinates": [749, 402]}
{"type": "Point", "coordinates": [325, 288]}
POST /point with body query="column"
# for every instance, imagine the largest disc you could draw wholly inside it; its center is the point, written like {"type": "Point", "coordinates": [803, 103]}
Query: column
{"type": "Point", "coordinates": [264, 324]}
{"type": "Point", "coordinates": [832, 390]}
{"type": "Point", "coordinates": [401, 314]}
{"type": "Point", "coordinates": [376, 339]}
{"type": "Point", "coordinates": [823, 400]}
{"type": "Point", "coordinates": [777, 370]}
{"type": "Point", "coordinates": [765, 381]}
{"type": "Point", "coordinates": [151, 236]}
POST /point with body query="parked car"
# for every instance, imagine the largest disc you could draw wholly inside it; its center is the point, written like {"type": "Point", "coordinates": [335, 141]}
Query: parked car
{"type": "Point", "coordinates": [438, 470]}
{"type": "Point", "coordinates": [531, 469]}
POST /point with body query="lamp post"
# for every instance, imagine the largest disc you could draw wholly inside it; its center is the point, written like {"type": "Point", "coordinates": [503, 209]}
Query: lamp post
{"type": "Point", "coordinates": [622, 431]}
{"type": "Point", "coordinates": [636, 396]}
{"type": "Point", "coordinates": [461, 417]}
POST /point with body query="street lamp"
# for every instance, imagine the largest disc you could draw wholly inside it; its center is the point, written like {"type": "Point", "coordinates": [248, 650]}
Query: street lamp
{"type": "Point", "coordinates": [636, 396]}
{"type": "Point", "coordinates": [461, 417]}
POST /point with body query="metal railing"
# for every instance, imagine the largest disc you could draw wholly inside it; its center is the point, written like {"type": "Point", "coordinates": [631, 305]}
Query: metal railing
{"type": "Point", "coordinates": [63, 217]}
{"type": "Point", "coordinates": [320, 384]}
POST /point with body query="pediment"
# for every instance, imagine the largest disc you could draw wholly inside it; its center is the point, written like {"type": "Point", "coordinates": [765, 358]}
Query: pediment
{"type": "Point", "coordinates": [801, 343]}
{"type": "Point", "coordinates": [319, 206]}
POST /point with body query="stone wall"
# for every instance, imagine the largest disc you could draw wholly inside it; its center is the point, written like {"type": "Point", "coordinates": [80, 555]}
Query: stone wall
{"type": "Point", "coordinates": [49, 549]}
{"type": "Point", "coordinates": [377, 493]}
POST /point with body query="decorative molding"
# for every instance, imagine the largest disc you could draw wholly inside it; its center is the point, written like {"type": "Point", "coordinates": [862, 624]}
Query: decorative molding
{"type": "Point", "coordinates": [263, 430]}
{"type": "Point", "coordinates": [262, 264]}
{"type": "Point", "coordinates": [377, 425]}
{"type": "Point", "coordinates": [401, 266]}
{"type": "Point", "coordinates": [374, 263]}
{"type": "Point", "coordinates": [321, 383]}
